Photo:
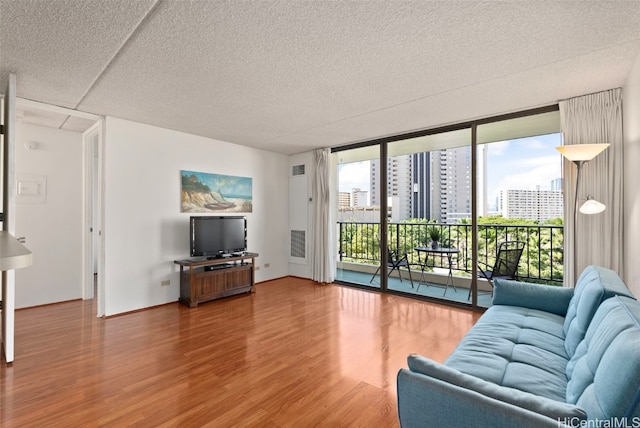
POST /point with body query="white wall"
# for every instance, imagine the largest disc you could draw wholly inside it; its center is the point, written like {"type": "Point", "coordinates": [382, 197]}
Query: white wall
{"type": "Point", "coordinates": [144, 229]}
{"type": "Point", "coordinates": [631, 132]}
{"type": "Point", "coordinates": [53, 228]}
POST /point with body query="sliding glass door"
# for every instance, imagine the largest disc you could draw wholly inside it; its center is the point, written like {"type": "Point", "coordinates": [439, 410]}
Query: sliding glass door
{"type": "Point", "coordinates": [446, 202]}
{"type": "Point", "coordinates": [521, 202]}
{"type": "Point", "coordinates": [430, 203]}
{"type": "Point", "coordinates": [358, 217]}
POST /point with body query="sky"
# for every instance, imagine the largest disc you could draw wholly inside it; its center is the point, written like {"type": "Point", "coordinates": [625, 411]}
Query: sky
{"type": "Point", "coordinates": [523, 164]}
{"type": "Point", "coordinates": [354, 175]}
{"type": "Point", "coordinates": [519, 164]}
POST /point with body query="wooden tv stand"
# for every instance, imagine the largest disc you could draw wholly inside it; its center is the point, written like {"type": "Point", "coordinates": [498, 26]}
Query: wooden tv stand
{"type": "Point", "coordinates": [213, 279]}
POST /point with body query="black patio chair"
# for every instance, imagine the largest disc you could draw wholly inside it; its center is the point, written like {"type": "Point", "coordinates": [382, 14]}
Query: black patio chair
{"type": "Point", "coordinates": [395, 262]}
{"type": "Point", "coordinates": [506, 265]}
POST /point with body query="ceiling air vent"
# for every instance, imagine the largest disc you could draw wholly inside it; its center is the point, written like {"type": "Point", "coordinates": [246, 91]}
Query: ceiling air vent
{"type": "Point", "coordinates": [297, 170]}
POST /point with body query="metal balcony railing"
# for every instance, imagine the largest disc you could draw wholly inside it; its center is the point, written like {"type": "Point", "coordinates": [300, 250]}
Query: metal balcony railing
{"type": "Point", "coordinates": [542, 258]}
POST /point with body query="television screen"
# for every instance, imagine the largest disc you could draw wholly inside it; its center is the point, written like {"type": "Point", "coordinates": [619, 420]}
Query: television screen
{"type": "Point", "coordinates": [217, 236]}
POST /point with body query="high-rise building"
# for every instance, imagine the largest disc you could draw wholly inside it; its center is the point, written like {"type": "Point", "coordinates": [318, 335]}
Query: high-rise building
{"type": "Point", "coordinates": [482, 181]}
{"type": "Point", "coordinates": [433, 185]}
{"type": "Point", "coordinates": [451, 184]}
{"type": "Point", "coordinates": [531, 204]}
{"type": "Point", "coordinates": [359, 197]}
{"type": "Point", "coordinates": [421, 190]}
{"type": "Point", "coordinates": [374, 181]}
{"type": "Point", "coordinates": [556, 184]}
{"type": "Point", "coordinates": [436, 185]}
{"type": "Point", "coordinates": [344, 200]}
{"type": "Point", "coordinates": [399, 185]}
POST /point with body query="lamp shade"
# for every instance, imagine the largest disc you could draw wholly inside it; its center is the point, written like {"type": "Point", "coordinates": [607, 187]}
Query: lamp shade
{"type": "Point", "coordinates": [591, 206]}
{"type": "Point", "coordinates": [582, 152]}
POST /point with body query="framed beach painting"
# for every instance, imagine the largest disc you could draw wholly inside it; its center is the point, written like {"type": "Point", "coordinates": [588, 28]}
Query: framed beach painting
{"type": "Point", "coordinates": [215, 193]}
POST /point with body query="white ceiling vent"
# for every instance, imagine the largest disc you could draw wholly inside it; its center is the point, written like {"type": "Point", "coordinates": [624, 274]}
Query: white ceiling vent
{"type": "Point", "coordinates": [297, 170]}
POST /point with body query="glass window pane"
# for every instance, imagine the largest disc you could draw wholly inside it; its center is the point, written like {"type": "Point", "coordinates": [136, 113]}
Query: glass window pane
{"type": "Point", "coordinates": [358, 217]}
{"type": "Point", "coordinates": [429, 201]}
{"type": "Point", "coordinates": [430, 210]}
{"type": "Point", "coordinates": [520, 199]}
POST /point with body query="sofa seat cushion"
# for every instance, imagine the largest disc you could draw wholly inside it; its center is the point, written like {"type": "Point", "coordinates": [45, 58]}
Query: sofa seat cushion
{"type": "Point", "coordinates": [535, 403]}
{"type": "Point", "coordinates": [516, 347]}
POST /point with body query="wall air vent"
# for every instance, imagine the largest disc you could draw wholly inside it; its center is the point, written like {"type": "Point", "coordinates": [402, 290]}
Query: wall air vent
{"type": "Point", "coordinates": [298, 244]}
{"type": "Point", "coordinates": [297, 170]}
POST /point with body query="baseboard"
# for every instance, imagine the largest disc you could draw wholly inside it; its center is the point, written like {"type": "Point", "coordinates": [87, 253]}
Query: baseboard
{"type": "Point", "coordinates": [284, 277]}
{"type": "Point", "coordinates": [46, 304]}
{"type": "Point", "coordinates": [138, 310]}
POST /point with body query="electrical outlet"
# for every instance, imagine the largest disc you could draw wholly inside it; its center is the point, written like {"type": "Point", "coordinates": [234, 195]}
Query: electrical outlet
{"type": "Point", "coordinates": [266, 265]}
{"type": "Point", "coordinates": [165, 282]}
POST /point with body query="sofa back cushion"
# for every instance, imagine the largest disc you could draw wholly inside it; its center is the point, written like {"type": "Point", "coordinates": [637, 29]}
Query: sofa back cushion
{"type": "Point", "coordinates": [547, 298]}
{"type": "Point", "coordinates": [594, 285]}
{"type": "Point", "coordinates": [604, 373]}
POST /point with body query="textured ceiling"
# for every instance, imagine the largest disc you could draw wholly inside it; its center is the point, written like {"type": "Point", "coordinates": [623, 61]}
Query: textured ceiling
{"type": "Point", "coordinates": [290, 76]}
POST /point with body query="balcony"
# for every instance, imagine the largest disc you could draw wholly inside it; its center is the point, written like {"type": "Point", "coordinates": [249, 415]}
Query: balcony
{"type": "Point", "coordinates": [359, 254]}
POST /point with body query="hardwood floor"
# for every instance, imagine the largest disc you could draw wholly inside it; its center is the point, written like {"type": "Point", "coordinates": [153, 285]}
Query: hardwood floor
{"type": "Point", "coordinates": [293, 354]}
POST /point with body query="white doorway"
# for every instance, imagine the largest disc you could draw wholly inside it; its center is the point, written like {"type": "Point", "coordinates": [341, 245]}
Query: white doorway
{"type": "Point", "coordinates": [79, 198]}
{"type": "Point", "coordinates": [92, 225]}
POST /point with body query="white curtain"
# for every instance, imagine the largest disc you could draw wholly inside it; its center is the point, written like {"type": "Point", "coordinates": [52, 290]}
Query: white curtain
{"type": "Point", "coordinates": [594, 118]}
{"type": "Point", "coordinates": [323, 248]}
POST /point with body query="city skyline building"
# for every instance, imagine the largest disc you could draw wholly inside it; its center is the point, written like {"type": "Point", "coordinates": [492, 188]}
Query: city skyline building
{"type": "Point", "coordinates": [420, 191]}
{"type": "Point", "coordinates": [399, 185]}
{"type": "Point", "coordinates": [432, 185]}
{"type": "Point", "coordinates": [436, 186]}
{"type": "Point", "coordinates": [537, 205]}
{"type": "Point", "coordinates": [556, 184]}
{"type": "Point", "coordinates": [451, 184]}
{"type": "Point", "coordinates": [344, 200]}
{"type": "Point", "coordinates": [359, 198]}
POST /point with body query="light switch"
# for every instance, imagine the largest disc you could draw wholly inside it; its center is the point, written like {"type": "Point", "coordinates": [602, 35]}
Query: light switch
{"type": "Point", "coordinates": [28, 188]}
{"type": "Point", "coordinates": [31, 188]}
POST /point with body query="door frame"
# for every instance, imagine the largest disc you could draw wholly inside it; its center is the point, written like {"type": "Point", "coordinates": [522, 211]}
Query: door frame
{"type": "Point", "coordinates": [92, 216]}
{"type": "Point", "coordinates": [87, 183]}
{"type": "Point", "coordinates": [9, 219]}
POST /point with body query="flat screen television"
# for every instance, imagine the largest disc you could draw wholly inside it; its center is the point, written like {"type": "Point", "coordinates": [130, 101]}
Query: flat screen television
{"type": "Point", "coordinates": [217, 236]}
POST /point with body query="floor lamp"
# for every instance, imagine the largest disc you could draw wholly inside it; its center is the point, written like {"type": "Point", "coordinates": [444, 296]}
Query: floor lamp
{"type": "Point", "coordinates": [580, 154]}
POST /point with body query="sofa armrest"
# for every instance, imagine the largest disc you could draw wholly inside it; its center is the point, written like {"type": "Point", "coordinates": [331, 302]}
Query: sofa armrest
{"type": "Point", "coordinates": [548, 298]}
{"type": "Point", "coordinates": [426, 401]}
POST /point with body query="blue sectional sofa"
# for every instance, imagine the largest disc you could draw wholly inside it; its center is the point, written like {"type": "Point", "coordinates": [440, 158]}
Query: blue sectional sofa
{"type": "Point", "coordinates": [540, 356]}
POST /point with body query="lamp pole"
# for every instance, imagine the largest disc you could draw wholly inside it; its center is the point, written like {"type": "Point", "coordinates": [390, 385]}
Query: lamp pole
{"type": "Point", "coordinates": [579, 164]}
{"type": "Point", "coordinates": [580, 154]}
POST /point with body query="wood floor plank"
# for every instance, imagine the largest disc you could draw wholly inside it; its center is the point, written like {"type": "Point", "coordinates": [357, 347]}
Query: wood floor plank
{"type": "Point", "coordinates": [293, 354]}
